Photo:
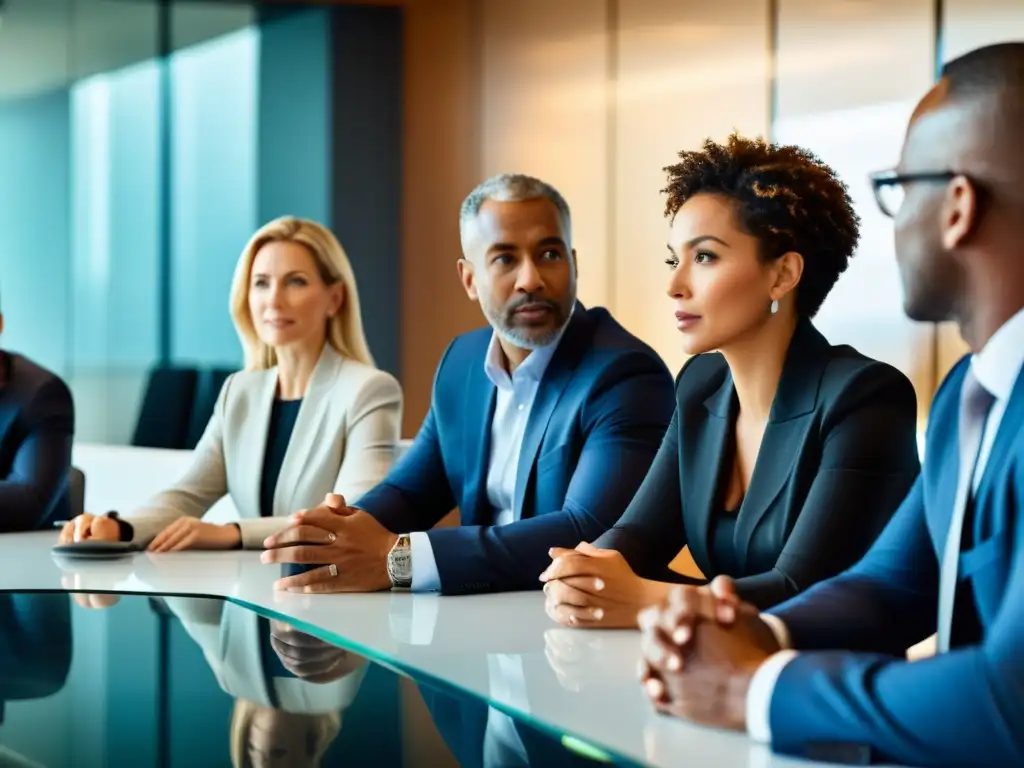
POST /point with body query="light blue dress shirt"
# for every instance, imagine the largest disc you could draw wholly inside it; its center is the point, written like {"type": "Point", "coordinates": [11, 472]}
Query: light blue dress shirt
{"type": "Point", "coordinates": [513, 403]}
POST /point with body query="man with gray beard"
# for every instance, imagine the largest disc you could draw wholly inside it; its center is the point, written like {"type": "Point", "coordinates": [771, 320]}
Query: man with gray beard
{"type": "Point", "coordinates": [541, 427]}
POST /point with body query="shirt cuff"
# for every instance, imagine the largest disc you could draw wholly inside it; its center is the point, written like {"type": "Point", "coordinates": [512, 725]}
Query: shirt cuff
{"type": "Point", "coordinates": [759, 695]}
{"type": "Point", "coordinates": [425, 577]}
{"type": "Point", "coordinates": [778, 628]}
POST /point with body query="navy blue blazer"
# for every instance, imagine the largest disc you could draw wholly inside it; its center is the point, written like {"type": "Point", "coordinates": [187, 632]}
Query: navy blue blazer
{"type": "Point", "coordinates": [600, 413]}
{"type": "Point", "coordinates": [37, 425]}
{"type": "Point", "coordinates": [963, 707]}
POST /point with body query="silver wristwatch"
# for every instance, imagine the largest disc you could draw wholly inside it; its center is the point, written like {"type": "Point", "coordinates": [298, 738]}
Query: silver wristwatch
{"type": "Point", "coordinates": [400, 563]}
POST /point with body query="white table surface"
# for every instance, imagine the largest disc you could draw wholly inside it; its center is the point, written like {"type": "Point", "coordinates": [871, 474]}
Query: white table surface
{"type": "Point", "coordinates": [582, 683]}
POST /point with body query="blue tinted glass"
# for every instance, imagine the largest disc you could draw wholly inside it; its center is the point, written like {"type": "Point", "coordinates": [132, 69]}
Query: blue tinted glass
{"type": "Point", "coordinates": [179, 681]}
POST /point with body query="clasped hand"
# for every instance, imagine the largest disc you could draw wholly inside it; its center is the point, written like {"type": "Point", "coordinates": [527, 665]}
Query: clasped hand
{"type": "Point", "coordinates": [700, 649]}
{"type": "Point", "coordinates": [310, 658]}
{"type": "Point", "coordinates": [349, 544]}
{"type": "Point", "coordinates": [591, 587]}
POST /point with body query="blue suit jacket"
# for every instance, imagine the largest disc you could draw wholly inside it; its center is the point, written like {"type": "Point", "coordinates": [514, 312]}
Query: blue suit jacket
{"type": "Point", "coordinates": [962, 707]}
{"type": "Point", "coordinates": [600, 413]}
{"type": "Point", "coordinates": [37, 425]}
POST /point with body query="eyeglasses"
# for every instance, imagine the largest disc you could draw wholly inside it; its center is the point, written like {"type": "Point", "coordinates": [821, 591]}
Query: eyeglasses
{"type": "Point", "coordinates": [889, 186]}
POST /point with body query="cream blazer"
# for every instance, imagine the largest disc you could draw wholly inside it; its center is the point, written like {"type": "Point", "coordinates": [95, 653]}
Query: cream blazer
{"type": "Point", "coordinates": [344, 441]}
{"type": "Point", "coordinates": [229, 638]}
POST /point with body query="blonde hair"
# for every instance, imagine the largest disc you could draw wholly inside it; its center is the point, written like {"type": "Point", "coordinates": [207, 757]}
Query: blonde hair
{"type": "Point", "coordinates": [321, 729]}
{"type": "Point", "coordinates": [344, 329]}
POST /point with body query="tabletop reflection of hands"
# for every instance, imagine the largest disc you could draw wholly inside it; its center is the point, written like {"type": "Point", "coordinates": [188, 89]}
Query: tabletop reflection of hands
{"type": "Point", "coordinates": [573, 656]}
{"type": "Point", "coordinates": [91, 582]}
{"type": "Point", "coordinates": [310, 658]}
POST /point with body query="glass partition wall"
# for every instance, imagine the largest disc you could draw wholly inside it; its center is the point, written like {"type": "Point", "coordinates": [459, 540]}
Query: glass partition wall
{"type": "Point", "coordinates": [138, 142]}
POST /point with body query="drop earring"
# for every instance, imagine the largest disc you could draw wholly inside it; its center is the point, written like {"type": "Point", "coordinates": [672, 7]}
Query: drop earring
{"type": "Point", "coordinates": [775, 306]}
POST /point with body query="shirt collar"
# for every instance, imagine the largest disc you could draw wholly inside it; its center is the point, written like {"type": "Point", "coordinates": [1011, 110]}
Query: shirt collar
{"type": "Point", "coordinates": [533, 367]}
{"type": "Point", "coordinates": [997, 365]}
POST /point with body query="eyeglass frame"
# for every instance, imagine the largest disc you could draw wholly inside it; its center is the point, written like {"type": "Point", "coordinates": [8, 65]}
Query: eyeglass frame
{"type": "Point", "coordinates": [891, 178]}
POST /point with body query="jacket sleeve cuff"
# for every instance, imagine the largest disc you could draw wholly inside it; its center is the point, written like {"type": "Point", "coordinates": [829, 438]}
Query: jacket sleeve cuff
{"type": "Point", "coordinates": [255, 530]}
{"type": "Point", "coordinates": [759, 695]}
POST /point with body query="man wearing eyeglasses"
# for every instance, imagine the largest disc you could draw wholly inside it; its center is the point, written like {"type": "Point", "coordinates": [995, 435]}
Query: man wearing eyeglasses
{"type": "Point", "coordinates": [824, 676]}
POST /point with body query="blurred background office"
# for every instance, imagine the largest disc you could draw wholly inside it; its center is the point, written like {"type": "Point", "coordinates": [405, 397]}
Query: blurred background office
{"type": "Point", "coordinates": [142, 141]}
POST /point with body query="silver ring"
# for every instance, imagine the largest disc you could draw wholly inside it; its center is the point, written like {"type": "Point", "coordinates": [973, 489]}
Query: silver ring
{"type": "Point", "coordinates": [331, 538]}
{"type": "Point", "coordinates": [332, 569]}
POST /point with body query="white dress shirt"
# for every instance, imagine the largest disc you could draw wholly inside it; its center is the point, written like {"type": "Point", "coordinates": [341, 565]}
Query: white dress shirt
{"type": "Point", "coordinates": [512, 405]}
{"type": "Point", "coordinates": [996, 368]}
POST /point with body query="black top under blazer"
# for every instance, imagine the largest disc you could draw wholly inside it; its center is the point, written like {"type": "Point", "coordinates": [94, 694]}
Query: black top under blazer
{"type": "Point", "coordinates": [839, 454]}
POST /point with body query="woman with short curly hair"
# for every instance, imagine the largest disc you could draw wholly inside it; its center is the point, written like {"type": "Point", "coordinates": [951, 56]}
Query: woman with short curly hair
{"type": "Point", "coordinates": [786, 455]}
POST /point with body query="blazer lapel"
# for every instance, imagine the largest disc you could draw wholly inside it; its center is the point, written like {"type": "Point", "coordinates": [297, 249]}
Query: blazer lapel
{"type": "Point", "coordinates": [795, 400]}
{"type": "Point", "coordinates": [941, 468]}
{"type": "Point", "coordinates": [238, 657]}
{"type": "Point", "coordinates": [308, 430]}
{"type": "Point", "coordinates": [557, 376]}
{"type": "Point", "coordinates": [703, 459]}
{"type": "Point", "coordinates": [478, 404]}
{"type": "Point", "coordinates": [252, 433]}
{"type": "Point", "coordinates": [1009, 430]}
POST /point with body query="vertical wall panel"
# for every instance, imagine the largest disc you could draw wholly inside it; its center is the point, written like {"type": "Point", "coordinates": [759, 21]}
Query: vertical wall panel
{"type": "Point", "coordinates": [293, 153]}
{"type": "Point", "coordinates": [849, 73]}
{"type": "Point", "coordinates": [545, 112]}
{"type": "Point", "coordinates": [35, 226]}
{"type": "Point", "coordinates": [685, 71]}
{"type": "Point", "coordinates": [213, 187]}
{"type": "Point", "coordinates": [115, 214]}
{"type": "Point", "coordinates": [969, 24]}
{"type": "Point", "coordinates": [441, 163]}
{"type": "Point", "coordinates": [367, 166]}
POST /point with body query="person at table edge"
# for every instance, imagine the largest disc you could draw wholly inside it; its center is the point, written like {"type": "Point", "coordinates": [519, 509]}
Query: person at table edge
{"type": "Point", "coordinates": [540, 430]}
{"type": "Point", "coordinates": [37, 427]}
{"type": "Point", "coordinates": [787, 455]}
{"type": "Point", "coordinates": [311, 414]}
{"type": "Point", "coordinates": [825, 675]}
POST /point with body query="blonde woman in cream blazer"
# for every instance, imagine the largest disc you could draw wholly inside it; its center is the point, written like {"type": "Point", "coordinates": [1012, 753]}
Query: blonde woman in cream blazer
{"type": "Point", "coordinates": [275, 709]}
{"type": "Point", "coordinates": [310, 415]}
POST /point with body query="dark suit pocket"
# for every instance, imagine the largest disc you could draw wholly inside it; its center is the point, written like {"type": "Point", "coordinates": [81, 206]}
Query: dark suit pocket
{"type": "Point", "coordinates": [976, 560]}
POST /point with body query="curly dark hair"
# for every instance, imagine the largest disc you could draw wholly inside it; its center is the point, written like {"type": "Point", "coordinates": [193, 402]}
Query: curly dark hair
{"type": "Point", "coordinates": [785, 197]}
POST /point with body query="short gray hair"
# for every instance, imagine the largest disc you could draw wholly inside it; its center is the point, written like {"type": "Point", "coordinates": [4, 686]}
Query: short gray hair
{"type": "Point", "coordinates": [510, 188]}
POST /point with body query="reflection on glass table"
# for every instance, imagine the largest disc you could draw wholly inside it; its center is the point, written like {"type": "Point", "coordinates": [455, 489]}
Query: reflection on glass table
{"type": "Point", "coordinates": [35, 654]}
{"type": "Point", "coordinates": [176, 681]}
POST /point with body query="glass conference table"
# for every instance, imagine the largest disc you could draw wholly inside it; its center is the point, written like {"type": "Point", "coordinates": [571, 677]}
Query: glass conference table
{"type": "Point", "coordinates": [192, 659]}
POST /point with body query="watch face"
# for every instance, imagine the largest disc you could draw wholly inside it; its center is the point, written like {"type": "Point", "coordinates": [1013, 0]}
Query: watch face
{"type": "Point", "coordinates": [401, 564]}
